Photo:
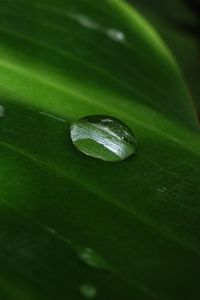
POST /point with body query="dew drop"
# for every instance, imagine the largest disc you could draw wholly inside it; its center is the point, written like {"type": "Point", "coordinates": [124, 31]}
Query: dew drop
{"type": "Point", "coordinates": [91, 258]}
{"type": "Point", "coordinates": [162, 189]}
{"type": "Point", "coordinates": [84, 21]}
{"type": "Point", "coordinates": [116, 35]}
{"type": "Point", "coordinates": [103, 137]}
{"type": "Point", "coordinates": [88, 290]}
{"type": "Point", "coordinates": [2, 111]}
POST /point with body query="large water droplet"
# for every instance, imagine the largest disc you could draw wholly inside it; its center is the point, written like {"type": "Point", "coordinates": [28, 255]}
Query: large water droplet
{"type": "Point", "coordinates": [103, 137]}
{"type": "Point", "coordinates": [88, 290]}
{"type": "Point", "coordinates": [2, 110]}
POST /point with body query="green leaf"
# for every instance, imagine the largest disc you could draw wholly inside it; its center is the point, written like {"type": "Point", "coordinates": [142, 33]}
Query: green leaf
{"type": "Point", "coordinates": [177, 22]}
{"type": "Point", "coordinates": [73, 226]}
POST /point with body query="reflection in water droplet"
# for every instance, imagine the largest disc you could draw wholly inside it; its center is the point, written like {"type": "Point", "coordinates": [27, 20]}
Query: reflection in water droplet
{"type": "Point", "coordinates": [2, 111]}
{"type": "Point", "coordinates": [103, 137]}
{"type": "Point", "coordinates": [88, 290]}
{"type": "Point", "coordinates": [116, 35]}
{"type": "Point", "coordinates": [91, 258]}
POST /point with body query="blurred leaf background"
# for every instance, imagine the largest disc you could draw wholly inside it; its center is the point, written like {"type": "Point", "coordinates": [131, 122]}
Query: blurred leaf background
{"type": "Point", "coordinates": [178, 22]}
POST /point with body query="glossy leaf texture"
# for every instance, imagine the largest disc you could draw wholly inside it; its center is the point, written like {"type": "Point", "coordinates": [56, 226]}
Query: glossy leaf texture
{"type": "Point", "coordinates": [75, 227]}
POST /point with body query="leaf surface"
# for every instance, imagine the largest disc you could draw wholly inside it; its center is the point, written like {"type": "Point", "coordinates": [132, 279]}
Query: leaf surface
{"type": "Point", "coordinates": [68, 221]}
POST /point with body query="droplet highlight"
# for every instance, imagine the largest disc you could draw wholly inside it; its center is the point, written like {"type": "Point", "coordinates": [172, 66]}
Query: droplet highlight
{"type": "Point", "coordinates": [103, 137]}
{"type": "Point", "coordinates": [88, 290]}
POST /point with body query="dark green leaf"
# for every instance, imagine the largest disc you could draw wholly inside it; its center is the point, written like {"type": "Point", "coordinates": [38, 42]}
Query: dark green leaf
{"type": "Point", "coordinates": [71, 223]}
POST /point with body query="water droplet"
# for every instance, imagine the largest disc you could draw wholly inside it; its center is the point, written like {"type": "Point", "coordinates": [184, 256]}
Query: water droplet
{"type": "Point", "coordinates": [103, 137]}
{"type": "Point", "coordinates": [2, 111]}
{"type": "Point", "coordinates": [116, 35]}
{"type": "Point", "coordinates": [84, 21]}
{"type": "Point", "coordinates": [91, 258]}
{"type": "Point", "coordinates": [88, 290]}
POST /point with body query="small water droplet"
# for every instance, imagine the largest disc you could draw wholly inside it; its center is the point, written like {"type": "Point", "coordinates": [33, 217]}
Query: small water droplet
{"type": "Point", "coordinates": [2, 111]}
{"type": "Point", "coordinates": [84, 21]}
{"type": "Point", "coordinates": [103, 137]}
{"type": "Point", "coordinates": [91, 258]}
{"type": "Point", "coordinates": [88, 290]}
{"type": "Point", "coordinates": [116, 35]}
{"type": "Point", "coordinates": [162, 189]}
